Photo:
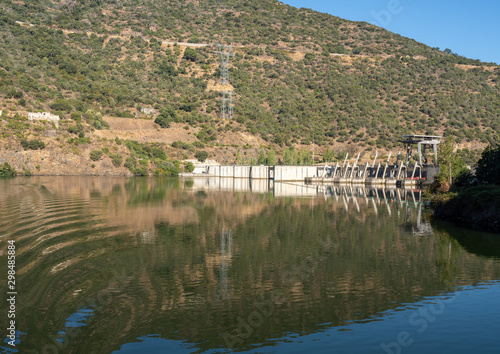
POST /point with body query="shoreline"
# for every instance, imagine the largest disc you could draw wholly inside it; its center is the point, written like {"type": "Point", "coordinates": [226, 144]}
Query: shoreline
{"type": "Point", "coordinates": [476, 207]}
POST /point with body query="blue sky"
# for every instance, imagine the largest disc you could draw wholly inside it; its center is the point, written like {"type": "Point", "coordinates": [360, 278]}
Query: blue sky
{"type": "Point", "coordinates": [469, 28]}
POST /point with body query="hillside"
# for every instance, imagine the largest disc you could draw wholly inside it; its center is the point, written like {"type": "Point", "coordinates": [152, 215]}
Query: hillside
{"type": "Point", "coordinates": [300, 78]}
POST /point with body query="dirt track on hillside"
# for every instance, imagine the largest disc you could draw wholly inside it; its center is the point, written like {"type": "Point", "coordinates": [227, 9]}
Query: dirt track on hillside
{"type": "Point", "coordinates": [145, 131]}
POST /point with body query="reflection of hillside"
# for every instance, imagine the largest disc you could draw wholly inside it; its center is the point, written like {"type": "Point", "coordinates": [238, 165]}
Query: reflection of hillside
{"type": "Point", "coordinates": [137, 203]}
{"type": "Point", "coordinates": [483, 244]}
{"type": "Point", "coordinates": [350, 277]}
{"type": "Point", "coordinates": [194, 261]}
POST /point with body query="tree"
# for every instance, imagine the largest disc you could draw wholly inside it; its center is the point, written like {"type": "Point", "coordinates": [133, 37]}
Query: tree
{"type": "Point", "coordinates": [305, 157]}
{"type": "Point", "coordinates": [262, 158]}
{"type": "Point", "coordinates": [329, 155]}
{"type": "Point", "coordinates": [166, 116]}
{"type": "Point", "coordinates": [166, 69]}
{"type": "Point", "coordinates": [189, 167]}
{"type": "Point", "coordinates": [488, 166]}
{"type": "Point", "coordinates": [201, 155]}
{"type": "Point", "coordinates": [290, 156]}
{"type": "Point", "coordinates": [271, 158]}
{"type": "Point", "coordinates": [450, 163]}
{"type": "Point", "coordinates": [190, 54]}
{"type": "Point", "coordinates": [239, 160]}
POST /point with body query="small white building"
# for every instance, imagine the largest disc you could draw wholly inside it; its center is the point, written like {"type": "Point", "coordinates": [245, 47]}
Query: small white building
{"type": "Point", "coordinates": [44, 116]}
{"type": "Point", "coordinates": [148, 111]}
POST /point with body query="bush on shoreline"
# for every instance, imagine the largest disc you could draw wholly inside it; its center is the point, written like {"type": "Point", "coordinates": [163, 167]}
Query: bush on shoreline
{"type": "Point", "coordinates": [470, 202]}
{"type": "Point", "coordinates": [7, 170]}
{"type": "Point", "coordinates": [479, 205]}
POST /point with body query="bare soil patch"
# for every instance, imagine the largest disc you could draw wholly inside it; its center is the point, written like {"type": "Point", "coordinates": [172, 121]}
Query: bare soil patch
{"type": "Point", "coordinates": [145, 131]}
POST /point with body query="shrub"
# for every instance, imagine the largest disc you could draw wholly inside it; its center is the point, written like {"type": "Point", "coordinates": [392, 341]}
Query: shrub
{"type": "Point", "coordinates": [7, 171]}
{"type": "Point", "coordinates": [81, 140]}
{"type": "Point", "coordinates": [32, 144]}
{"type": "Point", "coordinates": [130, 163]}
{"type": "Point", "coordinates": [140, 171]}
{"type": "Point", "coordinates": [76, 116]}
{"type": "Point", "coordinates": [201, 155]}
{"type": "Point", "coordinates": [156, 153]}
{"type": "Point", "coordinates": [185, 146]}
{"type": "Point", "coordinates": [75, 129]}
{"type": "Point", "coordinates": [166, 168]}
{"type": "Point", "coordinates": [166, 116]}
{"type": "Point", "coordinates": [189, 167]}
{"type": "Point", "coordinates": [262, 158]}
{"type": "Point", "coordinates": [61, 105]}
{"type": "Point", "coordinates": [116, 159]}
{"type": "Point", "coordinates": [96, 155]}
{"type": "Point", "coordinates": [190, 54]}
{"type": "Point", "coordinates": [146, 151]}
{"type": "Point", "coordinates": [95, 119]}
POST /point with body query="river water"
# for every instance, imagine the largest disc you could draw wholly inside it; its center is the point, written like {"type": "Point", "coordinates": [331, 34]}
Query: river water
{"type": "Point", "coordinates": [152, 265]}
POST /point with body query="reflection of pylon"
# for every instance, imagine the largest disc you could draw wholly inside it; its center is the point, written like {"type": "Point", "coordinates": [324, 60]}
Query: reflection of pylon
{"type": "Point", "coordinates": [226, 240]}
{"type": "Point", "coordinates": [227, 96]}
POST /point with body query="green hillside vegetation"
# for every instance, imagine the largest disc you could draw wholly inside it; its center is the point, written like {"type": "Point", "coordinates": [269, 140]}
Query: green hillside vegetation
{"type": "Point", "coordinates": [94, 58]}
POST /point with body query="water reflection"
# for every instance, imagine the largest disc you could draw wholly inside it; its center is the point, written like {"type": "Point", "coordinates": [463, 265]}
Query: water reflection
{"type": "Point", "coordinates": [199, 262]}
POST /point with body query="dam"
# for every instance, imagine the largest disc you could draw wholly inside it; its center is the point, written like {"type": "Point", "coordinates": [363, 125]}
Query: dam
{"type": "Point", "coordinates": [406, 170]}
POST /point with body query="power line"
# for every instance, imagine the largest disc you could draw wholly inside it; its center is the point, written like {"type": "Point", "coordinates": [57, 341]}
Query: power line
{"type": "Point", "coordinates": [227, 93]}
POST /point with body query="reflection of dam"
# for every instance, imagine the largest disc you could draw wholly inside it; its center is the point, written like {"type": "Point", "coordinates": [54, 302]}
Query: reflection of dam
{"type": "Point", "coordinates": [388, 195]}
{"type": "Point", "coordinates": [355, 198]}
{"type": "Point", "coordinates": [383, 198]}
{"type": "Point", "coordinates": [278, 189]}
{"type": "Point", "coordinates": [291, 189]}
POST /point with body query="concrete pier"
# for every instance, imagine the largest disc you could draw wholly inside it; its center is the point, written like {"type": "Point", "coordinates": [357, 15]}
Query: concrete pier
{"type": "Point", "coordinates": [375, 173]}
